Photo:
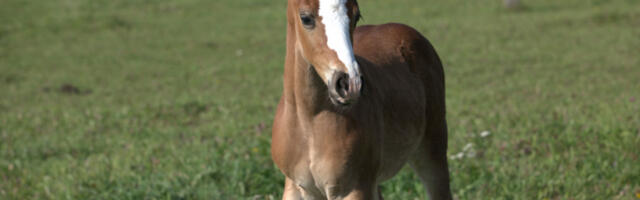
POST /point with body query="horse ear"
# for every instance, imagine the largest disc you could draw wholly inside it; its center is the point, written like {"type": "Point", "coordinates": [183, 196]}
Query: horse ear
{"type": "Point", "coordinates": [358, 16]}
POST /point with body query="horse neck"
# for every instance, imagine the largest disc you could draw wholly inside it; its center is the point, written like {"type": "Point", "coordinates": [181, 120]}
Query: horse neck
{"type": "Point", "coordinates": [302, 86]}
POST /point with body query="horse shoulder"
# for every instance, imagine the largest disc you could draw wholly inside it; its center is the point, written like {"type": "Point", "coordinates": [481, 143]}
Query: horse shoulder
{"type": "Point", "coordinates": [287, 145]}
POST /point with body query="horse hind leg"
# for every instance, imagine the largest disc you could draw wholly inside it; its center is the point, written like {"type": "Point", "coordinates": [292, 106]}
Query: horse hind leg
{"type": "Point", "coordinates": [430, 162]}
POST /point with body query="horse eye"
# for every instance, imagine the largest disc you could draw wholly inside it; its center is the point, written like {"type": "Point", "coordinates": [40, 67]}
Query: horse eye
{"type": "Point", "coordinates": [307, 21]}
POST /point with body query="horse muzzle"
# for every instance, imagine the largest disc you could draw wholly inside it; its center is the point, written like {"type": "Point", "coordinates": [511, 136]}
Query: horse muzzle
{"type": "Point", "coordinates": [344, 90]}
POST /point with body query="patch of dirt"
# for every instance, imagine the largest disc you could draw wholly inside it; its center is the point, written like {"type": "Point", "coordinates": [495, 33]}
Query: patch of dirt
{"type": "Point", "coordinates": [11, 78]}
{"type": "Point", "coordinates": [599, 19]}
{"type": "Point", "coordinates": [68, 89]}
{"type": "Point", "coordinates": [523, 147]}
{"type": "Point", "coordinates": [259, 128]}
{"type": "Point", "coordinates": [194, 108]}
{"type": "Point", "coordinates": [211, 45]}
{"type": "Point", "coordinates": [117, 23]}
{"type": "Point", "coordinates": [615, 17]}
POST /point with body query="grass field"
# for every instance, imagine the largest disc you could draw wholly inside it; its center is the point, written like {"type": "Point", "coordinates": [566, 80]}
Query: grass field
{"type": "Point", "coordinates": [159, 99]}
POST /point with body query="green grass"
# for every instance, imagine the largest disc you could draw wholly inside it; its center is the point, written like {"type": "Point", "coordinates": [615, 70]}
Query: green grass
{"type": "Point", "coordinates": [142, 99]}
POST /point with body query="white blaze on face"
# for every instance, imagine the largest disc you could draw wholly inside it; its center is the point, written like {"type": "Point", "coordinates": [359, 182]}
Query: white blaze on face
{"type": "Point", "coordinates": [336, 27]}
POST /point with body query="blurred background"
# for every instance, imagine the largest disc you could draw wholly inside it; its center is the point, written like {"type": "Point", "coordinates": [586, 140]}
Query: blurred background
{"type": "Point", "coordinates": [174, 99]}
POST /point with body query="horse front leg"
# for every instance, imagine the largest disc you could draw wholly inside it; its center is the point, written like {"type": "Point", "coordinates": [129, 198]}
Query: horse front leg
{"type": "Point", "coordinates": [291, 191]}
{"type": "Point", "coordinates": [358, 193]}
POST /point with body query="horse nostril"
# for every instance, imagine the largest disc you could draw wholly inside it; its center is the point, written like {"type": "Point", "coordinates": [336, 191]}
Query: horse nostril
{"type": "Point", "coordinates": [343, 86]}
{"type": "Point", "coordinates": [343, 90]}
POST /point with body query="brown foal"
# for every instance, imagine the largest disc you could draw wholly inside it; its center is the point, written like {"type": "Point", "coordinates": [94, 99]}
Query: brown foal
{"type": "Point", "coordinates": [353, 113]}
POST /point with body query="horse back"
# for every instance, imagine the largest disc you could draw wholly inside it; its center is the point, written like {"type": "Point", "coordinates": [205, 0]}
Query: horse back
{"type": "Point", "coordinates": [399, 53]}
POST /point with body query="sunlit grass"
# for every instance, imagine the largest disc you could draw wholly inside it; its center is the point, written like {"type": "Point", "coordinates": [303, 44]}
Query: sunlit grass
{"type": "Point", "coordinates": [174, 99]}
